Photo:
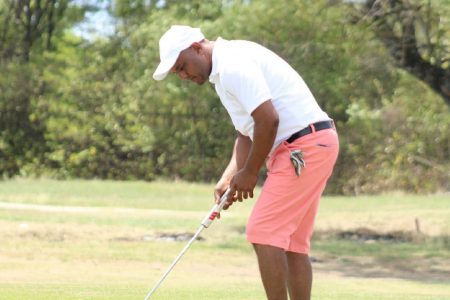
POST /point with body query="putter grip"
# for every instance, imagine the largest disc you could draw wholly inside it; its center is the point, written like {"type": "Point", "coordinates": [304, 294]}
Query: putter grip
{"type": "Point", "coordinates": [215, 210]}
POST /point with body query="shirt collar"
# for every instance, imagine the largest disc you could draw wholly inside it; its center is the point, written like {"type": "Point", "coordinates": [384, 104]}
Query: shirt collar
{"type": "Point", "coordinates": [214, 76]}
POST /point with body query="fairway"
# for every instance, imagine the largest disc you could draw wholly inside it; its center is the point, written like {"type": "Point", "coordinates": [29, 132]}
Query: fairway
{"type": "Point", "coordinates": [113, 240]}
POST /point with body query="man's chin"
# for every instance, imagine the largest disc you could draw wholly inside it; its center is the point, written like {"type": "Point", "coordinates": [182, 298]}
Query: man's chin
{"type": "Point", "coordinates": [199, 80]}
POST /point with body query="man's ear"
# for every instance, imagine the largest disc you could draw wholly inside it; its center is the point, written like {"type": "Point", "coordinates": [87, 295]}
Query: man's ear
{"type": "Point", "coordinates": [196, 46]}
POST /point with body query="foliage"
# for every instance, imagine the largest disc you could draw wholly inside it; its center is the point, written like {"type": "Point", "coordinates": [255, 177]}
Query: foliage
{"type": "Point", "coordinates": [402, 145]}
{"type": "Point", "coordinates": [21, 132]}
{"type": "Point", "coordinates": [417, 38]}
{"type": "Point", "coordinates": [90, 109]}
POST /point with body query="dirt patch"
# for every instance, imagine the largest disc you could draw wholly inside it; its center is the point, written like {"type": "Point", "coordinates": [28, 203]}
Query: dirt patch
{"type": "Point", "coordinates": [423, 269]}
{"type": "Point", "coordinates": [45, 233]}
{"type": "Point", "coordinates": [50, 236]}
{"type": "Point", "coordinates": [164, 237]}
{"type": "Point", "coordinates": [367, 235]}
{"type": "Point", "coordinates": [177, 237]}
{"type": "Point", "coordinates": [384, 262]}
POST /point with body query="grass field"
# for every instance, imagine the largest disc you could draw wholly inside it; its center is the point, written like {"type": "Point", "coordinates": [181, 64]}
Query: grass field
{"type": "Point", "coordinates": [113, 240]}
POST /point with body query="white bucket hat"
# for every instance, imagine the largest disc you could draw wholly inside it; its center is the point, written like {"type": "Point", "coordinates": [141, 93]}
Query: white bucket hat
{"type": "Point", "coordinates": [175, 40]}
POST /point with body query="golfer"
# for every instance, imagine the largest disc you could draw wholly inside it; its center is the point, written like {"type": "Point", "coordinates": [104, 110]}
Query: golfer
{"type": "Point", "coordinates": [276, 118]}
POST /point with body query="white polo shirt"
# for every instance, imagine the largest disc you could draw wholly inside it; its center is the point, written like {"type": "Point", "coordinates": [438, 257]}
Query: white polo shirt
{"type": "Point", "coordinates": [246, 74]}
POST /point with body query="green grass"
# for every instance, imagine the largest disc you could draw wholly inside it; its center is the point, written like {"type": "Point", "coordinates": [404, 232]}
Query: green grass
{"type": "Point", "coordinates": [136, 194]}
{"type": "Point", "coordinates": [98, 240]}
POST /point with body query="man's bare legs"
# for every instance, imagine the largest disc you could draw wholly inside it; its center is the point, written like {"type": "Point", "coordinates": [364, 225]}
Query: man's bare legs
{"type": "Point", "coordinates": [299, 276]}
{"type": "Point", "coordinates": [282, 271]}
{"type": "Point", "coordinates": [273, 269]}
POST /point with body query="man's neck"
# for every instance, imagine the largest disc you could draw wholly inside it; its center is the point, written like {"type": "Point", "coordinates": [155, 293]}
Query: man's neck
{"type": "Point", "coordinates": [209, 47]}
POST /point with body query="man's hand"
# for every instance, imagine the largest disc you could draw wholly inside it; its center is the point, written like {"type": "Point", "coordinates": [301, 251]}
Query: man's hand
{"type": "Point", "coordinates": [220, 189]}
{"type": "Point", "coordinates": [242, 185]}
{"type": "Point", "coordinates": [241, 149]}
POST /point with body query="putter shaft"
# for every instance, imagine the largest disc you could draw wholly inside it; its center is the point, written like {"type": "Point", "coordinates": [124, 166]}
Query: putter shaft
{"type": "Point", "coordinates": [205, 224]}
{"type": "Point", "coordinates": [199, 230]}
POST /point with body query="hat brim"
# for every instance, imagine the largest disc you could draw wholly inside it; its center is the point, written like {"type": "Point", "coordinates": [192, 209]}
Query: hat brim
{"type": "Point", "coordinates": [163, 69]}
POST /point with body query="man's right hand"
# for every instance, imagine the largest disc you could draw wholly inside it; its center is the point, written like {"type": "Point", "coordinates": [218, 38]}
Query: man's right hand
{"type": "Point", "coordinates": [241, 149]}
{"type": "Point", "coordinates": [219, 190]}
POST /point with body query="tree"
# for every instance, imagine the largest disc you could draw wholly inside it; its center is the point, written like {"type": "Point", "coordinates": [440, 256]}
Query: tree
{"type": "Point", "coordinates": [28, 29]}
{"type": "Point", "coordinates": [416, 36]}
{"type": "Point", "coordinates": [26, 22]}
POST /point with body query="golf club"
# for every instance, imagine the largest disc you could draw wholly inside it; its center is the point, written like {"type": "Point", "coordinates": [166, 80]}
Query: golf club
{"type": "Point", "coordinates": [205, 224]}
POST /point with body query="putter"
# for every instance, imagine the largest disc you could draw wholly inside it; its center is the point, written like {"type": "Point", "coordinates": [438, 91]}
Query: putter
{"type": "Point", "coordinates": [205, 224]}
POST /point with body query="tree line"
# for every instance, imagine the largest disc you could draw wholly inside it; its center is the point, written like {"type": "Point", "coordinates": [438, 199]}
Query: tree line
{"type": "Point", "coordinates": [72, 107]}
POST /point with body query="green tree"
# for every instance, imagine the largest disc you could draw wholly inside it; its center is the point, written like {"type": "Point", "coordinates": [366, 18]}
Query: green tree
{"type": "Point", "coordinates": [27, 32]}
{"type": "Point", "coordinates": [417, 35]}
{"type": "Point", "coordinates": [90, 108]}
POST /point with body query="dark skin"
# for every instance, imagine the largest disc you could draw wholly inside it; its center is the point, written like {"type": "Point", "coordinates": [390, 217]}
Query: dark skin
{"type": "Point", "coordinates": [244, 181]}
{"type": "Point", "coordinates": [195, 64]}
{"type": "Point", "coordinates": [241, 175]}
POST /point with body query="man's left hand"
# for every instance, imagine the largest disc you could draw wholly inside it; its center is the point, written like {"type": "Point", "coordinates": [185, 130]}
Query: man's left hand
{"type": "Point", "coordinates": [242, 185]}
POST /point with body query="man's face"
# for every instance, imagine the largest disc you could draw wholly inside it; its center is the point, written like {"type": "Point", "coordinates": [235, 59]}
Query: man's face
{"type": "Point", "coordinates": [192, 64]}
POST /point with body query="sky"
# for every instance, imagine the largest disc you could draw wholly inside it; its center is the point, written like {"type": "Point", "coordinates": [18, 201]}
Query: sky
{"type": "Point", "coordinates": [97, 23]}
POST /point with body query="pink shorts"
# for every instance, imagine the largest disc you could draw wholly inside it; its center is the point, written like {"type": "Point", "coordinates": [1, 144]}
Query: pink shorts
{"type": "Point", "coordinates": [284, 214]}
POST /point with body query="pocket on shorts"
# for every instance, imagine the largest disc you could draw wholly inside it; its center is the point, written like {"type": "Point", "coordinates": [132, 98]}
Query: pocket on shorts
{"type": "Point", "coordinates": [328, 141]}
{"type": "Point", "coordinates": [325, 147]}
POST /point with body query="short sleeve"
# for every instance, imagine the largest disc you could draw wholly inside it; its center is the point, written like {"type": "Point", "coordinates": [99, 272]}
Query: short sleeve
{"type": "Point", "coordinates": [244, 79]}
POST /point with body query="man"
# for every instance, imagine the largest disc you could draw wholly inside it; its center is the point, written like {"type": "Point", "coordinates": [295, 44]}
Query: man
{"type": "Point", "coordinates": [275, 116]}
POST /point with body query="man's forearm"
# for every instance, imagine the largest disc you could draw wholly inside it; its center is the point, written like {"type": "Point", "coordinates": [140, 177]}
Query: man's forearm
{"type": "Point", "coordinates": [263, 138]}
{"type": "Point", "coordinates": [244, 181]}
{"type": "Point", "coordinates": [241, 151]}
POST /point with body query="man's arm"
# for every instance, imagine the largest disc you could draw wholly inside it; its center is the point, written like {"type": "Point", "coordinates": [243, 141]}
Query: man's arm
{"type": "Point", "coordinates": [266, 125]}
{"type": "Point", "coordinates": [241, 150]}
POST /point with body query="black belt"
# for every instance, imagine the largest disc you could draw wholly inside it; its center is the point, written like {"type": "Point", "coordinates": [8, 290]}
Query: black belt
{"type": "Point", "coordinates": [307, 130]}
